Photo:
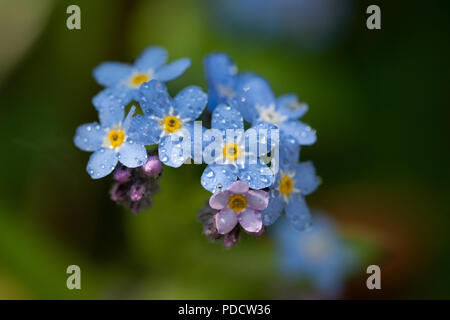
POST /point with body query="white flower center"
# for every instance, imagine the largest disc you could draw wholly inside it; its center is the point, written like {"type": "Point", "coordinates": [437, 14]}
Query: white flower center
{"type": "Point", "coordinates": [270, 115]}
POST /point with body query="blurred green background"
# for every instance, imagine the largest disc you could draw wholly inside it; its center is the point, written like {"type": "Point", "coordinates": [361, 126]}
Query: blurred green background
{"type": "Point", "coordinates": [379, 101]}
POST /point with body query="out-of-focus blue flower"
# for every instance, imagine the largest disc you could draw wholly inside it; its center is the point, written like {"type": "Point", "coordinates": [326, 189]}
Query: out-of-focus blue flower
{"type": "Point", "coordinates": [168, 122]}
{"type": "Point", "coordinates": [313, 24]}
{"type": "Point", "coordinates": [124, 80]}
{"type": "Point", "coordinates": [256, 102]}
{"type": "Point", "coordinates": [287, 194]}
{"type": "Point", "coordinates": [235, 159]}
{"type": "Point", "coordinates": [318, 254]}
{"type": "Point", "coordinates": [111, 140]}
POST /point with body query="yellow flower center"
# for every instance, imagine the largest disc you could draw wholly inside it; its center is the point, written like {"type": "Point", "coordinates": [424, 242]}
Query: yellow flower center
{"type": "Point", "coordinates": [231, 151]}
{"type": "Point", "coordinates": [286, 185]}
{"type": "Point", "coordinates": [139, 79]}
{"type": "Point", "coordinates": [171, 124]}
{"type": "Point", "coordinates": [237, 202]}
{"type": "Point", "coordinates": [116, 138]}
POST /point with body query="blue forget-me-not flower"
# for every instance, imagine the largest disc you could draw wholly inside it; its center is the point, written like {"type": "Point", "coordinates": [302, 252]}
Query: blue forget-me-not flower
{"type": "Point", "coordinates": [257, 103]}
{"type": "Point", "coordinates": [124, 80]}
{"type": "Point", "coordinates": [318, 254]}
{"type": "Point", "coordinates": [168, 122]}
{"type": "Point", "coordinates": [111, 140]}
{"type": "Point", "coordinates": [287, 193]}
{"type": "Point", "coordinates": [232, 156]}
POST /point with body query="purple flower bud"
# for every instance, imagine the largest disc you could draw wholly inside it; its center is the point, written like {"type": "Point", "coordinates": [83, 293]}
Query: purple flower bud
{"type": "Point", "coordinates": [122, 174]}
{"type": "Point", "coordinates": [118, 192]}
{"type": "Point", "coordinates": [135, 207]}
{"type": "Point", "coordinates": [152, 167]}
{"type": "Point", "coordinates": [136, 192]}
{"type": "Point", "coordinates": [230, 239]}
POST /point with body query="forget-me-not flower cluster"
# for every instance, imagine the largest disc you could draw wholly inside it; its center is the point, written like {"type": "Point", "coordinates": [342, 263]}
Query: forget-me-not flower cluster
{"type": "Point", "coordinates": [251, 150]}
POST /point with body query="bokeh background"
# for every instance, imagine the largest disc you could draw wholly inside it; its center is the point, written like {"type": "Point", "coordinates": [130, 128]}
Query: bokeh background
{"type": "Point", "coordinates": [379, 101]}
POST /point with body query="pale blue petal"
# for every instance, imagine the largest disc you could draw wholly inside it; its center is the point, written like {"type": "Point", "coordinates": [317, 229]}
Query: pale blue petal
{"type": "Point", "coordinates": [101, 163]}
{"type": "Point", "coordinates": [217, 177]}
{"type": "Point", "coordinates": [111, 115]}
{"type": "Point", "coordinates": [172, 70]}
{"type": "Point", "coordinates": [251, 91]}
{"type": "Point", "coordinates": [257, 176]}
{"type": "Point", "coordinates": [297, 212]}
{"type": "Point", "coordinates": [151, 58]}
{"type": "Point", "coordinates": [273, 210]}
{"type": "Point", "coordinates": [190, 102]}
{"type": "Point", "coordinates": [305, 178]}
{"type": "Point", "coordinates": [111, 74]}
{"type": "Point", "coordinates": [144, 130]}
{"type": "Point", "coordinates": [132, 94]}
{"type": "Point", "coordinates": [117, 96]}
{"type": "Point", "coordinates": [170, 151]}
{"type": "Point", "coordinates": [89, 136]}
{"type": "Point", "coordinates": [289, 152]}
{"type": "Point", "coordinates": [302, 133]}
{"type": "Point", "coordinates": [154, 98]}
{"type": "Point", "coordinates": [132, 154]}
{"type": "Point", "coordinates": [225, 117]}
{"type": "Point", "coordinates": [290, 106]}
